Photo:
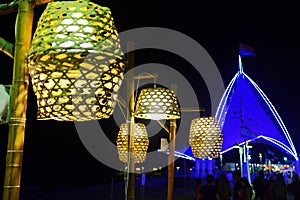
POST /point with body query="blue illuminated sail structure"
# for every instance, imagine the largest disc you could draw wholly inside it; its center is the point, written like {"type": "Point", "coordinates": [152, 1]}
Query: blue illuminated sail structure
{"type": "Point", "coordinates": [245, 114]}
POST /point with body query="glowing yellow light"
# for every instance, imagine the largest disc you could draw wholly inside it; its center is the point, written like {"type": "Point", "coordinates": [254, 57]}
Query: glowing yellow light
{"type": "Point", "coordinates": [69, 56]}
{"type": "Point", "coordinates": [205, 137]}
{"type": "Point", "coordinates": [141, 143]}
{"type": "Point", "coordinates": [150, 104]}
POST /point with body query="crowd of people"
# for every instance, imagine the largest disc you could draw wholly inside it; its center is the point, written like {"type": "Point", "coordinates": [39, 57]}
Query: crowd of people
{"type": "Point", "coordinates": [263, 188]}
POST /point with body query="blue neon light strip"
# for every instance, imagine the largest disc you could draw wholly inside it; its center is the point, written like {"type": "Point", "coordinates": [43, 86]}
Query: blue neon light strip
{"type": "Point", "coordinates": [274, 112]}
{"type": "Point", "coordinates": [221, 114]}
{"type": "Point", "coordinates": [271, 140]}
{"type": "Point", "coordinates": [281, 145]}
{"type": "Point", "coordinates": [241, 70]}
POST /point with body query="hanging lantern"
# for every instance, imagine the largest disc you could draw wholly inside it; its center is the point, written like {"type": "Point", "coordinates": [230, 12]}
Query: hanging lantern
{"type": "Point", "coordinates": [75, 62]}
{"type": "Point", "coordinates": [205, 137]}
{"type": "Point", "coordinates": [141, 143]}
{"type": "Point", "coordinates": [157, 103]}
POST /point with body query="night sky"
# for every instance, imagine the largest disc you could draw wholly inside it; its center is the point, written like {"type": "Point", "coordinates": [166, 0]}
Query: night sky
{"type": "Point", "coordinates": [53, 150]}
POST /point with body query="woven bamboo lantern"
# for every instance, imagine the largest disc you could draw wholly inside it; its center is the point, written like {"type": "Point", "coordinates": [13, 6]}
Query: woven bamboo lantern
{"type": "Point", "coordinates": [141, 143]}
{"type": "Point", "coordinates": [205, 137]}
{"type": "Point", "coordinates": [157, 103]}
{"type": "Point", "coordinates": [75, 62]}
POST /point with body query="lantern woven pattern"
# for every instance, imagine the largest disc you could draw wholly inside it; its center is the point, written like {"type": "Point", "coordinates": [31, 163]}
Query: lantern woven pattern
{"type": "Point", "coordinates": [205, 138]}
{"type": "Point", "coordinates": [157, 103]}
{"type": "Point", "coordinates": [75, 62]}
{"type": "Point", "coordinates": [141, 143]}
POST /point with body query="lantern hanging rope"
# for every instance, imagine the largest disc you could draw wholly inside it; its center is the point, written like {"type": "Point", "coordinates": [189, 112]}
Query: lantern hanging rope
{"type": "Point", "coordinates": [75, 62]}
{"type": "Point", "coordinates": [141, 143]}
{"type": "Point", "coordinates": [205, 137]}
{"type": "Point", "coordinates": [157, 103]}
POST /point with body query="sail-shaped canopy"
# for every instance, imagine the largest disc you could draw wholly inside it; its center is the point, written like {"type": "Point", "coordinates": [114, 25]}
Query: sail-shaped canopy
{"type": "Point", "coordinates": [246, 114]}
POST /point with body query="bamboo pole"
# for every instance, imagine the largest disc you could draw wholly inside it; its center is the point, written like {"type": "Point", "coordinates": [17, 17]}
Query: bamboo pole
{"type": "Point", "coordinates": [7, 47]}
{"type": "Point", "coordinates": [171, 160]}
{"type": "Point", "coordinates": [9, 8]}
{"type": "Point", "coordinates": [171, 163]}
{"type": "Point", "coordinates": [14, 5]}
{"type": "Point", "coordinates": [130, 123]}
{"type": "Point", "coordinates": [18, 102]}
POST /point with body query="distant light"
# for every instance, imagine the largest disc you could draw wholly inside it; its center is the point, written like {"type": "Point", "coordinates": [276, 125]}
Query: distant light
{"type": "Point", "coordinates": [249, 157]}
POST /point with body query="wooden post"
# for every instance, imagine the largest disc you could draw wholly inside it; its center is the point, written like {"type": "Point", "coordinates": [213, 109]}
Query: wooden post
{"type": "Point", "coordinates": [18, 102]}
{"type": "Point", "coordinates": [130, 123]}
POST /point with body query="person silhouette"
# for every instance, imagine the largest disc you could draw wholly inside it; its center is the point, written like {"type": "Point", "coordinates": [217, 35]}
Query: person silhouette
{"type": "Point", "coordinates": [208, 191]}
{"type": "Point", "coordinates": [237, 184]}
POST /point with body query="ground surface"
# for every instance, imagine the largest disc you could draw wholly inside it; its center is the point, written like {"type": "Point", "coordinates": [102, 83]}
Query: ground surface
{"type": "Point", "coordinates": [155, 188]}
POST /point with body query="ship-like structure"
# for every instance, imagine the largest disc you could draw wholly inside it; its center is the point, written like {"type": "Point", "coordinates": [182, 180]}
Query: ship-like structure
{"type": "Point", "coordinates": [246, 115]}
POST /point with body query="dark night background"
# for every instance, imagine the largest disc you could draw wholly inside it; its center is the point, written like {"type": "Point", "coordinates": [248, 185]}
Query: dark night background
{"type": "Point", "coordinates": [53, 152]}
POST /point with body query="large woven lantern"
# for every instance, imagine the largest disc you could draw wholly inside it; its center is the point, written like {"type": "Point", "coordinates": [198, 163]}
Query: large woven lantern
{"type": "Point", "coordinates": [205, 137]}
{"type": "Point", "coordinates": [141, 143]}
{"type": "Point", "coordinates": [75, 62]}
{"type": "Point", "coordinates": [157, 103]}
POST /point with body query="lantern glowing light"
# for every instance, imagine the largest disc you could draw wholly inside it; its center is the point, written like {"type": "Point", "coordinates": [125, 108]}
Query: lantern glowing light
{"type": "Point", "coordinates": [141, 143]}
{"type": "Point", "coordinates": [205, 137]}
{"type": "Point", "coordinates": [157, 103]}
{"type": "Point", "coordinates": [75, 62]}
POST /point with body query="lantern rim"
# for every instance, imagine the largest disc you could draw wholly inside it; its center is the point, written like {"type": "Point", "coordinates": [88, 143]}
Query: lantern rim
{"type": "Point", "coordinates": [157, 103]}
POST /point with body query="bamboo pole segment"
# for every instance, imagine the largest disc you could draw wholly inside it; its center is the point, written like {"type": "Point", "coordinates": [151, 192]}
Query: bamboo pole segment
{"type": "Point", "coordinates": [13, 6]}
{"type": "Point", "coordinates": [192, 109]}
{"type": "Point", "coordinates": [171, 163]}
{"type": "Point", "coordinates": [39, 2]}
{"type": "Point", "coordinates": [171, 160]}
{"type": "Point", "coordinates": [7, 47]}
{"type": "Point", "coordinates": [121, 101]}
{"type": "Point", "coordinates": [163, 126]}
{"type": "Point", "coordinates": [130, 117]}
{"type": "Point", "coordinates": [18, 102]}
{"type": "Point", "coordinates": [147, 76]}
{"type": "Point", "coordinates": [9, 8]}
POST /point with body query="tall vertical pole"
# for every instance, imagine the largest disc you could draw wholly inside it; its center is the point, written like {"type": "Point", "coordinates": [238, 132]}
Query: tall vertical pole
{"type": "Point", "coordinates": [171, 163]}
{"type": "Point", "coordinates": [18, 102]}
{"type": "Point", "coordinates": [247, 163]}
{"type": "Point", "coordinates": [130, 123]}
{"type": "Point", "coordinates": [241, 160]}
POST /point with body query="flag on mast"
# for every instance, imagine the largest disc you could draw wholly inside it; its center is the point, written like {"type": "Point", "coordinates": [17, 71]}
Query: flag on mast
{"type": "Point", "coordinates": [246, 50]}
